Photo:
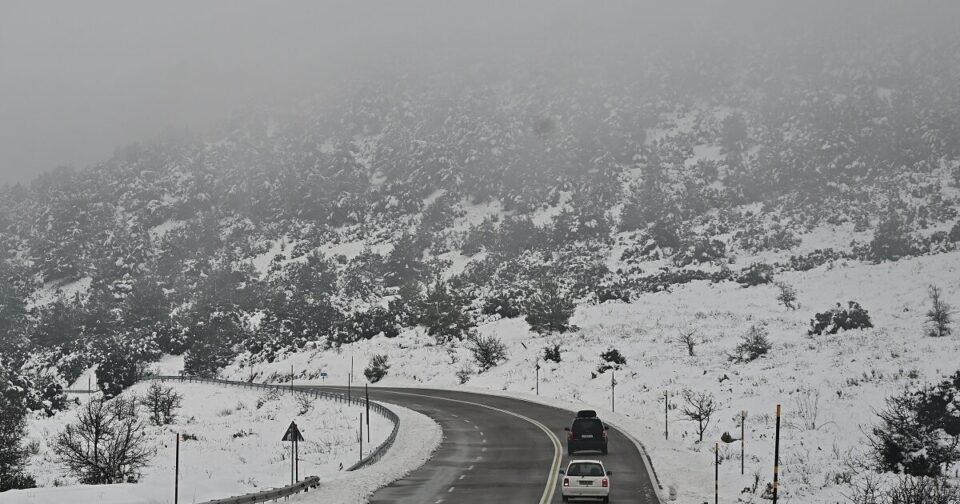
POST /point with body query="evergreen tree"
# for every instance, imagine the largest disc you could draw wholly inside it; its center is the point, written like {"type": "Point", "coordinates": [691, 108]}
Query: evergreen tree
{"type": "Point", "coordinates": [213, 336]}
{"type": "Point", "coordinates": [13, 457]}
{"type": "Point", "coordinates": [549, 309]}
{"type": "Point", "coordinates": [58, 323]}
{"type": "Point", "coordinates": [405, 264]}
{"type": "Point", "coordinates": [443, 310]}
{"type": "Point", "coordinates": [939, 315]}
{"type": "Point", "coordinates": [890, 240]}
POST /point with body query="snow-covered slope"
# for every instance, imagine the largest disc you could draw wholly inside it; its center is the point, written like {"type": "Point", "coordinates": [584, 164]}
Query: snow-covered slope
{"type": "Point", "coordinates": [829, 386]}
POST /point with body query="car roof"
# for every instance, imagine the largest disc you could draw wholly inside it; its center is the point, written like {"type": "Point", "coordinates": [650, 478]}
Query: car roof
{"type": "Point", "coordinates": [584, 462]}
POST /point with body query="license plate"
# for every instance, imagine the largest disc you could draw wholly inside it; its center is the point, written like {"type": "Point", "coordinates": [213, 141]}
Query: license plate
{"type": "Point", "coordinates": [586, 483]}
{"type": "Point", "coordinates": [587, 436]}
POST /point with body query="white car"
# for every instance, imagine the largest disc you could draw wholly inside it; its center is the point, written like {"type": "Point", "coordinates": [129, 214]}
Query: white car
{"type": "Point", "coordinates": [586, 479]}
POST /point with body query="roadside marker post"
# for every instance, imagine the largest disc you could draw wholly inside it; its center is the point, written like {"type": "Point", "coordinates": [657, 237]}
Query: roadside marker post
{"type": "Point", "coordinates": [613, 391]}
{"type": "Point", "coordinates": [743, 439]}
{"type": "Point", "coordinates": [360, 432]}
{"type": "Point", "coordinates": [776, 459]}
{"type": "Point", "coordinates": [366, 390]}
{"type": "Point", "coordinates": [716, 473]}
{"type": "Point", "coordinates": [176, 473]}
{"type": "Point", "coordinates": [666, 415]}
{"type": "Point", "coordinates": [538, 375]}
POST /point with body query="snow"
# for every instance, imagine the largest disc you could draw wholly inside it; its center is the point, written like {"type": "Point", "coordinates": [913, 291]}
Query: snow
{"type": "Point", "coordinates": [48, 293]}
{"type": "Point", "coordinates": [846, 376]}
{"type": "Point", "coordinates": [237, 450]}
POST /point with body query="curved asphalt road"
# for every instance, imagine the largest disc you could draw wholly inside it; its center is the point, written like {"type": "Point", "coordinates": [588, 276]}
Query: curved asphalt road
{"type": "Point", "coordinates": [503, 450]}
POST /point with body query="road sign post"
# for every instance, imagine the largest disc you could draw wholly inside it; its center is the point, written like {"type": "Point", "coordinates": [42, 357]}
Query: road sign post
{"type": "Point", "coordinates": [293, 436]}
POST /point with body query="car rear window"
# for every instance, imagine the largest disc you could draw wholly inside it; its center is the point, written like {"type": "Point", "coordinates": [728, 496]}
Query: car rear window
{"type": "Point", "coordinates": [585, 469]}
{"type": "Point", "coordinates": [587, 426]}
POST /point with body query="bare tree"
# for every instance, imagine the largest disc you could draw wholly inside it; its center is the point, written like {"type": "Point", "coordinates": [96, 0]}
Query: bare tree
{"type": "Point", "coordinates": [161, 402]}
{"type": "Point", "coordinates": [107, 444]}
{"type": "Point", "coordinates": [787, 295]}
{"type": "Point", "coordinates": [938, 316]}
{"type": "Point", "coordinates": [699, 407]}
{"type": "Point", "coordinates": [689, 340]}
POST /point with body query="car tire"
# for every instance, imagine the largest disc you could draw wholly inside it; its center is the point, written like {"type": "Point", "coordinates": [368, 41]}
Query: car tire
{"type": "Point", "coordinates": [565, 498]}
{"type": "Point", "coordinates": [570, 449]}
{"type": "Point", "coordinates": [603, 450]}
{"type": "Point", "coordinates": [606, 500]}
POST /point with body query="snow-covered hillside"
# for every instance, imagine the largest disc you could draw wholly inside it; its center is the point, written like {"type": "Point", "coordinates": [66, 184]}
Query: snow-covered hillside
{"type": "Point", "coordinates": [829, 386]}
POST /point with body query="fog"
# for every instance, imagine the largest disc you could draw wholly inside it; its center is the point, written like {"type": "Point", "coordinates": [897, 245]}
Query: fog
{"type": "Point", "coordinates": [80, 79]}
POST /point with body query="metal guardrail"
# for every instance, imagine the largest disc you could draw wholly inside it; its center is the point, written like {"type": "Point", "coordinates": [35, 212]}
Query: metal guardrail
{"type": "Point", "coordinates": [312, 481]}
{"type": "Point", "coordinates": [268, 495]}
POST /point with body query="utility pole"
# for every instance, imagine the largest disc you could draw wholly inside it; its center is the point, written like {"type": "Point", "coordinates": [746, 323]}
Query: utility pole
{"type": "Point", "coordinates": [666, 415]}
{"type": "Point", "coordinates": [176, 473]}
{"type": "Point", "coordinates": [776, 459]}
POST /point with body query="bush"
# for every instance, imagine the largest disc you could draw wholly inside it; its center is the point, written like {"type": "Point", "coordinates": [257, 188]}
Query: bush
{"type": "Point", "coordinates": [754, 345]}
{"type": "Point", "coordinates": [612, 359]}
{"type": "Point", "coordinates": [505, 304]}
{"type": "Point", "coordinates": [488, 351]}
{"type": "Point", "coordinates": [377, 368]}
{"type": "Point", "coordinates": [907, 490]}
{"type": "Point", "coordinates": [552, 353]}
{"type": "Point", "coordinates": [702, 250]}
{"type": "Point", "coordinates": [919, 431]}
{"type": "Point", "coordinates": [787, 295]}
{"type": "Point", "coordinates": [840, 319]}
{"type": "Point", "coordinates": [368, 324]}
{"type": "Point", "coordinates": [756, 274]}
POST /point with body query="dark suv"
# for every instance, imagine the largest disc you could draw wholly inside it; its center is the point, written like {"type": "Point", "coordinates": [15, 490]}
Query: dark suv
{"type": "Point", "coordinates": [587, 433]}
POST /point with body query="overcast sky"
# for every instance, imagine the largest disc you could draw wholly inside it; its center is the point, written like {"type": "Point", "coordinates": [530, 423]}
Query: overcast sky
{"type": "Point", "coordinates": [78, 79]}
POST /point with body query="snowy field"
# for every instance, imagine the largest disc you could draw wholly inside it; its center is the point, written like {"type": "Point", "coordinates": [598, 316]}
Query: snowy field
{"type": "Point", "coordinates": [237, 448]}
{"type": "Point", "coordinates": [829, 386]}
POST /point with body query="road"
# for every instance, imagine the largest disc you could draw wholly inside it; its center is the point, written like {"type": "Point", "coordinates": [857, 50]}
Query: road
{"type": "Point", "coordinates": [503, 450]}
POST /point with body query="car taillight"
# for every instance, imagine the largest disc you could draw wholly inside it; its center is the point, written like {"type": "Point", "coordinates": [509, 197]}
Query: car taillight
{"type": "Point", "coordinates": [605, 483]}
{"type": "Point", "coordinates": [566, 482]}
{"type": "Point", "coordinates": [569, 436]}
{"type": "Point", "coordinates": [604, 434]}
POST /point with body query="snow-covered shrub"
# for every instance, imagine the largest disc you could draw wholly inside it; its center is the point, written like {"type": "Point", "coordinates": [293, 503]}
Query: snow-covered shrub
{"type": "Point", "coordinates": [488, 351]}
{"type": "Point", "coordinates": [906, 490]}
{"type": "Point", "coordinates": [891, 240]}
{"type": "Point", "coordinates": [464, 374]}
{"type": "Point", "coordinates": [364, 325]}
{"type": "Point", "coordinates": [919, 431]}
{"type": "Point", "coordinates": [756, 274]}
{"type": "Point", "coordinates": [753, 345]}
{"type": "Point", "coordinates": [443, 310]}
{"type": "Point", "coordinates": [840, 319]}
{"type": "Point", "coordinates": [506, 304]}
{"type": "Point", "coordinates": [552, 353]}
{"type": "Point", "coordinates": [813, 259]}
{"type": "Point", "coordinates": [377, 368]}
{"type": "Point", "coordinates": [787, 295]}
{"type": "Point", "coordinates": [701, 250]}
{"type": "Point", "coordinates": [611, 359]}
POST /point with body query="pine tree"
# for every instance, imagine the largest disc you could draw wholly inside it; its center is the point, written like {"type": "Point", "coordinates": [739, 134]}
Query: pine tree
{"type": "Point", "coordinates": [890, 240]}
{"type": "Point", "coordinates": [213, 339]}
{"type": "Point", "coordinates": [549, 309]}
{"type": "Point", "coordinates": [13, 457]}
{"type": "Point", "coordinates": [938, 316]}
{"type": "Point", "coordinates": [443, 310]}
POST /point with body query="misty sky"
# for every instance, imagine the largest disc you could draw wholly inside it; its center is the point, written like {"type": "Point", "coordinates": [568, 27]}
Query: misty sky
{"type": "Point", "coordinates": [80, 79]}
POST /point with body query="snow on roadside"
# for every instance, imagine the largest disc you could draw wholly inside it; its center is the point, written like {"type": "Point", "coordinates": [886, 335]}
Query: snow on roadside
{"type": "Point", "coordinates": [416, 441]}
{"type": "Point", "coordinates": [237, 447]}
{"type": "Point", "coordinates": [829, 386]}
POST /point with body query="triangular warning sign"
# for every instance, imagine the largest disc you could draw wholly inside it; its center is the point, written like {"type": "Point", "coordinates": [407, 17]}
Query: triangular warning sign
{"type": "Point", "coordinates": [293, 433]}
